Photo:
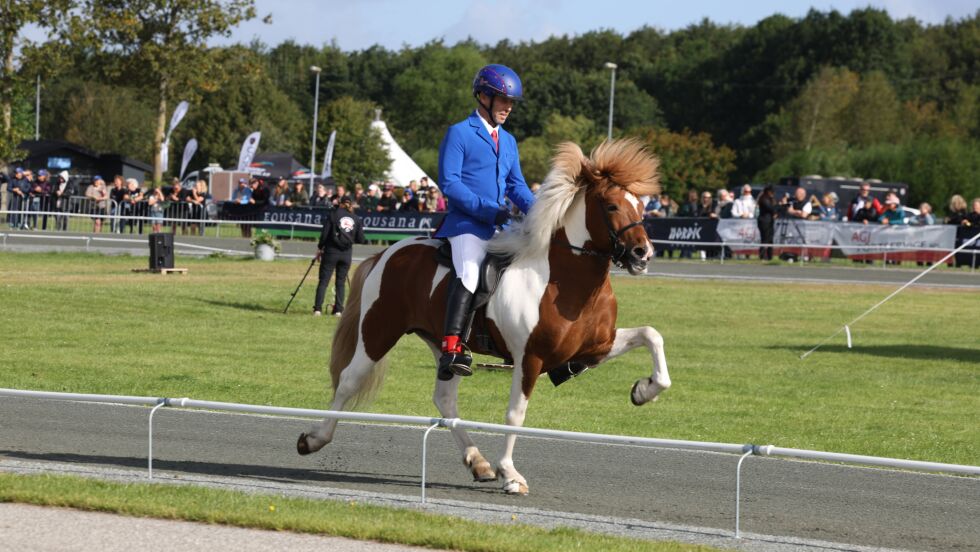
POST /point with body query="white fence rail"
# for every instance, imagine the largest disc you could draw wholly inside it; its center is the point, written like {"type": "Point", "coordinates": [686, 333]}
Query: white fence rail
{"type": "Point", "coordinates": [432, 423]}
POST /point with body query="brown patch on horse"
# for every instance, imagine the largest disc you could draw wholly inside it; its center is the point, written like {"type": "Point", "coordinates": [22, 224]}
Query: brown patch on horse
{"type": "Point", "coordinates": [403, 303]}
{"type": "Point", "coordinates": [345, 336]}
{"type": "Point", "coordinates": [577, 322]}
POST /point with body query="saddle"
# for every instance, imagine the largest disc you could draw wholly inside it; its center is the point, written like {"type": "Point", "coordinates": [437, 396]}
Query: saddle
{"type": "Point", "coordinates": [491, 270]}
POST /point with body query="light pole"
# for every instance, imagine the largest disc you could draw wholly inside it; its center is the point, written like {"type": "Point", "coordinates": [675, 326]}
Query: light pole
{"type": "Point", "coordinates": [316, 104]}
{"type": "Point", "coordinates": [612, 94]}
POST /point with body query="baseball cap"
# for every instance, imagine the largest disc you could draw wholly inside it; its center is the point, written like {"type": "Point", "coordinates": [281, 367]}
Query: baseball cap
{"type": "Point", "coordinates": [19, 170]}
{"type": "Point", "coordinates": [96, 177]}
{"type": "Point", "coordinates": [42, 172]}
{"type": "Point", "coordinates": [242, 180]}
{"type": "Point", "coordinates": [373, 187]}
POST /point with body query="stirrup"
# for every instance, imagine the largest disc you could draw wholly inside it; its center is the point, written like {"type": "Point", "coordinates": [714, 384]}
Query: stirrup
{"type": "Point", "coordinates": [455, 364]}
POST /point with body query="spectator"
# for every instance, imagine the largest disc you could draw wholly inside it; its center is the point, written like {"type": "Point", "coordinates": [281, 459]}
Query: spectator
{"type": "Point", "coordinates": [957, 210]}
{"type": "Point", "coordinates": [707, 206]}
{"type": "Point", "coordinates": [320, 197]}
{"type": "Point", "coordinates": [690, 207]}
{"type": "Point", "coordinates": [369, 201]}
{"type": "Point", "coordinates": [61, 192]}
{"type": "Point", "coordinates": [243, 193]}
{"type": "Point", "coordinates": [828, 208]}
{"type": "Point", "coordinates": [280, 195]}
{"type": "Point", "coordinates": [341, 230]}
{"type": "Point", "coordinates": [337, 198]}
{"type": "Point", "coordinates": [744, 206]}
{"type": "Point", "coordinates": [864, 207]}
{"type": "Point", "coordinates": [435, 202]}
{"type": "Point", "coordinates": [154, 203]}
{"type": "Point", "coordinates": [260, 193]}
{"type": "Point", "coordinates": [893, 213]}
{"type": "Point", "coordinates": [667, 206]}
{"type": "Point", "coordinates": [19, 186]}
{"type": "Point", "coordinates": [973, 217]}
{"type": "Point", "coordinates": [197, 205]}
{"type": "Point", "coordinates": [407, 203]}
{"type": "Point", "coordinates": [131, 204]}
{"type": "Point", "coordinates": [768, 213]}
{"type": "Point", "coordinates": [411, 191]}
{"type": "Point", "coordinates": [387, 202]}
{"type": "Point", "coordinates": [98, 196]}
{"type": "Point", "coordinates": [652, 207]}
{"type": "Point", "coordinates": [298, 197]}
{"type": "Point", "coordinates": [925, 216]}
{"type": "Point", "coordinates": [424, 184]}
{"type": "Point", "coordinates": [118, 196]}
{"type": "Point", "coordinates": [799, 207]}
{"type": "Point", "coordinates": [725, 204]}
{"type": "Point", "coordinates": [38, 198]}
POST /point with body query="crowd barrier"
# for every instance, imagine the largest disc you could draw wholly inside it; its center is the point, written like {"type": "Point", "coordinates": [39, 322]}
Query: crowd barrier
{"type": "Point", "coordinates": [430, 424]}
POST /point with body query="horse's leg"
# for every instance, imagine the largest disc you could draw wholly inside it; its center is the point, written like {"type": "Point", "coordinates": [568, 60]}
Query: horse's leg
{"type": "Point", "coordinates": [350, 382]}
{"type": "Point", "coordinates": [627, 339]}
{"type": "Point", "coordinates": [514, 482]}
{"type": "Point", "coordinates": [445, 398]}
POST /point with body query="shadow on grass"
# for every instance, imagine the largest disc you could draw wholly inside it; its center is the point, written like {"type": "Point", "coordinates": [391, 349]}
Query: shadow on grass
{"type": "Point", "coordinates": [922, 352]}
{"type": "Point", "coordinates": [254, 307]}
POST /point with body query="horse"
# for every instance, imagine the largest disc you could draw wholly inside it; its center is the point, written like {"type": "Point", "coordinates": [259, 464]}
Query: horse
{"type": "Point", "coordinates": [553, 310]}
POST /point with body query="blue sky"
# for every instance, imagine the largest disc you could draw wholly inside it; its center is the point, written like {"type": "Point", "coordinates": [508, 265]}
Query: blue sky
{"type": "Point", "coordinates": [358, 24]}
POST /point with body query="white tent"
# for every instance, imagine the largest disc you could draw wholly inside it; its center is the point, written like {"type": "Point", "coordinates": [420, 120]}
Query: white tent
{"type": "Point", "coordinates": [402, 170]}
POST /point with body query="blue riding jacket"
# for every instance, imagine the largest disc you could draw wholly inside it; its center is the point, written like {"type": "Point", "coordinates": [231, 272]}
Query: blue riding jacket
{"type": "Point", "coordinates": [475, 177]}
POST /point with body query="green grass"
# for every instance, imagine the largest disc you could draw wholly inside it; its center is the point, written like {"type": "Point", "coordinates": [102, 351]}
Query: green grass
{"type": "Point", "coordinates": [87, 324]}
{"type": "Point", "coordinates": [344, 519]}
{"type": "Point", "coordinates": [909, 388]}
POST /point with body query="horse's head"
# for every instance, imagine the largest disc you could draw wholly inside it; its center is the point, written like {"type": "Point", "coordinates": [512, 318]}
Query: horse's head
{"type": "Point", "coordinates": [615, 176]}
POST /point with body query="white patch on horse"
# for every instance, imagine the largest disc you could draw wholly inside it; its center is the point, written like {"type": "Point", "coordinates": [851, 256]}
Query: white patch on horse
{"type": "Point", "coordinates": [515, 307]}
{"type": "Point", "coordinates": [636, 203]}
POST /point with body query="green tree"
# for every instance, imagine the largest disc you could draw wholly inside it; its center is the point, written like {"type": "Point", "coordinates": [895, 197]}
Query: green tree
{"type": "Point", "coordinates": [162, 45]}
{"type": "Point", "coordinates": [816, 118]}
{"type": "Point", "coordinates": [688, 160]}
{"type": "Point", "coordinates": [432, 93]}
{"type": "Point", "coordinates": [358, 153]}
{"type": "Point", "coordinates": [875, 114]}
{"type": "Point", "coordinates": [248, 102]}
{"type": "Point", "coordinates": [14, 16]}
{"type": "Point", "coordinates": [537, 151]}
{"type": "Point", "coordinates": [108, 119]}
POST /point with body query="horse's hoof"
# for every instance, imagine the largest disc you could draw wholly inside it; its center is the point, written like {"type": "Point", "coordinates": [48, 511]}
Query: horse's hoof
{"type": "Point", "coordinates": [644, 391]}
{"type": "Point", "coordinates": [481, 469]}
{"type": "Point", "coordinates": [515, 487]}
{"type": "Point", "coordinates": [302, 446]}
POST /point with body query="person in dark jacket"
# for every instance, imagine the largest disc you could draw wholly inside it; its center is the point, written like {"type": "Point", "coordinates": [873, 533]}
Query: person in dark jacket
{"type": "Point", "coordinates": [341, 230]}
{"type": "Point", "coordinates": [767, 221]}
{"type": "Point", "coordinates": [61, 192]}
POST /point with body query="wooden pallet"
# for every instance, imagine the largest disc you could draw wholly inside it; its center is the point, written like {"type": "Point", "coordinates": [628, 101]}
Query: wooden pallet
{"type": "Point", "coordinates": [162, 270]}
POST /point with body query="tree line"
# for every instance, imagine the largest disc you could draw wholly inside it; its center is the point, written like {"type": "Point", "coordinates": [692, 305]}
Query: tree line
{"type": "Point", "coordinates": [857, 94]}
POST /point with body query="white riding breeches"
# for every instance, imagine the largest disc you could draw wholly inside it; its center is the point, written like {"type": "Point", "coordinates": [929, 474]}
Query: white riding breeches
{"type": "Point", "coordinates": [468, 254]}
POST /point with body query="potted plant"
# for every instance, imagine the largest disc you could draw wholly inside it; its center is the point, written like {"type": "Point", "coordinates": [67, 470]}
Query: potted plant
{"type": "Point", "coordinates": [265, 246]}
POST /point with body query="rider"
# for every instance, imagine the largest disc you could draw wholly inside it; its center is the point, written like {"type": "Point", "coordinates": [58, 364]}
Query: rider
{"type": "Point", "coordinates": [478, 166]}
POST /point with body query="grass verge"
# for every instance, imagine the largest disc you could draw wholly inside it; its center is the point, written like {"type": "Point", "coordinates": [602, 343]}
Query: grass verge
{"type": "Point", "coordinates": [342, 519]}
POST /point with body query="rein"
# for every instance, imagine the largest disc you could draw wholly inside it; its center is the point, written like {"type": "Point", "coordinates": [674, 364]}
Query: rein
{"type": "Point", "coordinates": [619, 251]}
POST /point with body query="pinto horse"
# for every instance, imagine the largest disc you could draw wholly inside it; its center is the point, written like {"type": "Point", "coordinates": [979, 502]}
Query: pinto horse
{"type": "Point", "coordinates": [553, 309]}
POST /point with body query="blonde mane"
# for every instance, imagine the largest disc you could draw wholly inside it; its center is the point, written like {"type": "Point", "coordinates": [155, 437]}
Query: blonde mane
{"type": "Point", "coordinates": [623, 163]}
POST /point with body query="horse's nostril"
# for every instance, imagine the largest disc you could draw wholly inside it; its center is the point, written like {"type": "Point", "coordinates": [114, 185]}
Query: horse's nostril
{"type": "Point", "coordinates": [639, 252]}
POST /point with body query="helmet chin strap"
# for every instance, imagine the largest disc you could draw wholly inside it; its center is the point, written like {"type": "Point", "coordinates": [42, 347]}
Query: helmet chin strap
{"type": "Point", "coordinates": [493, 119]}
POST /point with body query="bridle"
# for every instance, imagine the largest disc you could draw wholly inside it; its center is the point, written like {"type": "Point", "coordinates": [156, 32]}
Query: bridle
{"type": "Point", "coordinates": [619, 250]}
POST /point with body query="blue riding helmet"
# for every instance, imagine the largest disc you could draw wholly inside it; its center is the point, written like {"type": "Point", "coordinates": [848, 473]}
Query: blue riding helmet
{"type": "Point", "coordinates": [498, 80]}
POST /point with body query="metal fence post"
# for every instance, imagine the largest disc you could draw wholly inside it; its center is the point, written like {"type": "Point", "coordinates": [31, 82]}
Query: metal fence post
{"type": "Point", "coordinates": [425, 443]}
{"type": "Point", "coordinates": [738, 491]}
{"type": "Point", "coordinates": [149, 457]}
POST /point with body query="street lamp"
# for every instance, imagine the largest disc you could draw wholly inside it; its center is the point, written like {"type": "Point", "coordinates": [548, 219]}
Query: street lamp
{"type": "Point", "coordinates": [316, 104]}
{"type": "Point", "coordinates": [612, 94]}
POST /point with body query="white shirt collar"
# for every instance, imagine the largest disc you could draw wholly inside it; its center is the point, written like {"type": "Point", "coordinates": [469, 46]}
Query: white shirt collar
{"type": "Point", "coordinates": [486, 124]}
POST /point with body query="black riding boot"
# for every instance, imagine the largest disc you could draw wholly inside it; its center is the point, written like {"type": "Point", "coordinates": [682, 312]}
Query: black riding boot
{"type": "Point", "coordinates": [455, 360]}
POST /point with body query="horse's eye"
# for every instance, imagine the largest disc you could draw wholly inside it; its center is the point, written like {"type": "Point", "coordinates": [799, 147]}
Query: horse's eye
{"type": "Point", "coordinates": [612, 208]}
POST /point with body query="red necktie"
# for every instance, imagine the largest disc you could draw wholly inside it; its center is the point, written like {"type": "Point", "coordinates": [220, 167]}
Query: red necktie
{"type": "Point", "coordinates": [496, 143]}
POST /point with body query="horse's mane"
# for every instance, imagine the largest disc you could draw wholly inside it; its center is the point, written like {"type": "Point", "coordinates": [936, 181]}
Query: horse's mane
{"type": "Point", "coordinates": [623, 163]}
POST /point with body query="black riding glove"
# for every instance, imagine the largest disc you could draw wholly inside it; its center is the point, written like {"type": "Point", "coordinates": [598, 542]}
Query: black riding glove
{"type": "Point", "coordinates": [503, 217]}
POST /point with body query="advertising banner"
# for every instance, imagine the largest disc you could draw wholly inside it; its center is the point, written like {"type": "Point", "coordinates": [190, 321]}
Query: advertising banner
{"type": "Point", "coordinates": [248, 151]}
{"type": "Point", "coordinates": [907, 243]}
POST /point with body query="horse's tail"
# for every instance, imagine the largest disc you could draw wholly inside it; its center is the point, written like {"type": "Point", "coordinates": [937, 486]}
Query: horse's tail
{"type": "Point", "coordinates": [346, 336]}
